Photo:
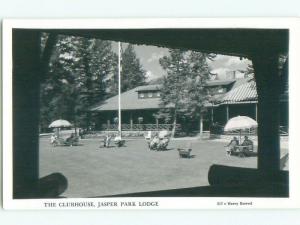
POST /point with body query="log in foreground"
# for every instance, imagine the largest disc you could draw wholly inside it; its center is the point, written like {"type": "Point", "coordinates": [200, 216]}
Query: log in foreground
{"type": "Point", "coordinates": [51, 186]}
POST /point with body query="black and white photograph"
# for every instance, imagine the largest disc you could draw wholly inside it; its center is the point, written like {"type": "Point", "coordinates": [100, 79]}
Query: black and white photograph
{"type": "Point", "coordinates": [142, 114]}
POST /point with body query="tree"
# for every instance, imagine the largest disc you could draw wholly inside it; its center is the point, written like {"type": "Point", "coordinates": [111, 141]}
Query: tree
{"type": "Point", "coordinates": [132, 73]}
{"type": "Point", "coordinates": [183, 94]}
{"type": "Point", "coordinates": [98, 63]}
{"type": "Point", "coordinates": [78, 76]}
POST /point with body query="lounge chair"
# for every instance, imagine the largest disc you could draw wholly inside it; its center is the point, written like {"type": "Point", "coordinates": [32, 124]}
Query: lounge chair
{"type": "Point", "coordinates": [106, 141]}
{"type": "Point", "coordinates": [71, 141]}
{"type": "Point", "coordinates": [148, 136]}
{"type": "Point", "coordinates": [119, 142]}
{"type": "Point", "coordinates": [163, 144]}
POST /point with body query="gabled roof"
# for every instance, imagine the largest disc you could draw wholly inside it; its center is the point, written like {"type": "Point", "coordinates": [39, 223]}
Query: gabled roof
{"type": "Point", "coordinates": [129, 101]}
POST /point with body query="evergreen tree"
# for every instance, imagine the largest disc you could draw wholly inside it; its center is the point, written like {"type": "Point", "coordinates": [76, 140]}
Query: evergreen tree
{"type": "Point", "coordinates": [79, 72]}
{"type": "Point", "coordinates": [183, 94]}
{"type": "Point", "coordinates": [132, 74]}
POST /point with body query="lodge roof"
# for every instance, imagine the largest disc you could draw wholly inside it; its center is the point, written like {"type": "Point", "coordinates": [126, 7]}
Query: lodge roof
{"type": "Point", "coordinates": [130, 101]}
{"type": "Point", "coordinates": [244, 92]}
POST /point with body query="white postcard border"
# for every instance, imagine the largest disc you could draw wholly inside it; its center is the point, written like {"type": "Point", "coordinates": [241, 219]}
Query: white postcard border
{"type": "Point", "coordinates": [157, 203]}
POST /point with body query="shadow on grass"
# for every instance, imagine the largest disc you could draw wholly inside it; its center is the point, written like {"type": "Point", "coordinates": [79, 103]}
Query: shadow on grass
{"type": "Point", "coordinates": [248, 155]}
{"type": "Point", "coordinates": [188, 157]}
{"type": "Point", "coordinates": [167, 149]}
{"type": "Point", "coordinates": [113, 146]}
{"type": "Point", "coordinates": [71, 146]}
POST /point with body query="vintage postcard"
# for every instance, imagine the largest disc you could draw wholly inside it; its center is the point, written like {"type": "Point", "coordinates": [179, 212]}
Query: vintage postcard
{"type": "Point", "coordinates": [151, 113]}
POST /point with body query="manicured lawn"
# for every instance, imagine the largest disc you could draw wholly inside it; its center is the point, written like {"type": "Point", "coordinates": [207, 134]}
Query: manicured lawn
{"type": "Point", "coordinates": [93, 171]}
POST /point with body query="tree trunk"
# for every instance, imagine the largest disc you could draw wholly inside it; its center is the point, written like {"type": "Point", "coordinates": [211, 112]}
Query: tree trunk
{"type": "Point", "coordinates": [75, 124]}
{"type": "Point", "coordinates": [174, 124]}
{"type": "Point", "coordinates": [75, 128]}
{"type": "Point", "coordinates": [201, 125]}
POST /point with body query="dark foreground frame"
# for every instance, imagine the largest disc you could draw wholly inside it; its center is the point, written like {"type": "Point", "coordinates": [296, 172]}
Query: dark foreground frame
{"type": "Point", "coordinates": [262, 46]}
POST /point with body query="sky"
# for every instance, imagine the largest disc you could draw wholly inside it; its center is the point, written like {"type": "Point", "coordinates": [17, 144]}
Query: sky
{"type": "Point", "coordinates": [149, 57]}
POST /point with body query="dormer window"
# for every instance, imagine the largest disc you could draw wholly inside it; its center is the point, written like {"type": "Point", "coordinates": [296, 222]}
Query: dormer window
{"type": "Point", "coordinates": [148, 92]}
{"type": "Point", "coordinates": [221, 90]}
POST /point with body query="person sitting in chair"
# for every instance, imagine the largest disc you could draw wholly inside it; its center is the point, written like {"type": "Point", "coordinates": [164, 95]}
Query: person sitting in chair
{"type": "Point", "coordinates": [232, 144]}
{"type": "Point", "coordinates": [106, 141]}
{"type": "Point", "coordinates": [118, 141]}
{"type": "Point", "coordinates": [154, 142]}
{"type": "Point", "coordinates": [247, 142]}
{"type": "Point", "coordinates": [70, 139]}
{"type": "Point", "coordinates": [163, 143]}
{"type": "Point", "coordinates": [53, 138]}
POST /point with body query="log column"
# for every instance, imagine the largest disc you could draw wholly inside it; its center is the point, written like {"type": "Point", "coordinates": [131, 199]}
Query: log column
{"type": "Point", "coordinates": [108, 125]}
{"type": "Point", "coordinates": [26, 80]}
{"type": "Point", "coordinates": [227, 113]}
{"type": "Point", "coordinates": [131, 121]}
{"type": "Point", "coordinates": [268, 85]}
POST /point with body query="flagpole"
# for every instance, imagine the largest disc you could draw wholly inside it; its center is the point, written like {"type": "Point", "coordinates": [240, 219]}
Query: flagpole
{"type": "Point", "coordinates": [119, 92]}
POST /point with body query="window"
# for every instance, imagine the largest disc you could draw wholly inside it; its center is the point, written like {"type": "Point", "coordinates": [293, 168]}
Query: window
{"type": "Point", "coordinates": [142, 95]}
{"type": "Point", "coordinates": [220, 90]}
{"type": "Point", "coordinates": [150, 94]}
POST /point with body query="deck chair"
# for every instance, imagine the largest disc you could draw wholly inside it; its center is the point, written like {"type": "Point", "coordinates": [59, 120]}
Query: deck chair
{"type": "Point", "coordinates": [71, 141]}
{"type": "Point", "coordinates": [119, 142]}
{"type": "Point", "coordinates": [106, 141]}
{"type": "Point", "coordinates": [148, 136]}
{"type": "Point", "coordinates": [186, 151]}
{"type": "Point", "coordinates": [163, 134]}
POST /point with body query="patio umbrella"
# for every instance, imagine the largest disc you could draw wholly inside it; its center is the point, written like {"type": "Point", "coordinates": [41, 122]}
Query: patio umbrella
{"type": "Point", "coordinates": [58, 124]}
{"type": "Point", "coordinates": [240, 123]}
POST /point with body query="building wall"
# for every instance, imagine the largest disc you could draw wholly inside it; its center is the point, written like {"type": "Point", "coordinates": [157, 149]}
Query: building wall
{"type": "Point", "coordinates": [219, 116]}
{"type": "Point", "coordinates": [242, 110]}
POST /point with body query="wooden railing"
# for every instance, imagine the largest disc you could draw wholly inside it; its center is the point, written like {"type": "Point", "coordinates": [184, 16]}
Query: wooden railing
{"type": "Point", "coordinates": [252, 131]}
{"type": "Point", "coordinates": [139, 127]}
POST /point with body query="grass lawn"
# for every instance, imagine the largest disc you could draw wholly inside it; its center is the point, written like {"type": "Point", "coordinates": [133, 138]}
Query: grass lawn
{"type": "Point", "coordinates": [93, 171]}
